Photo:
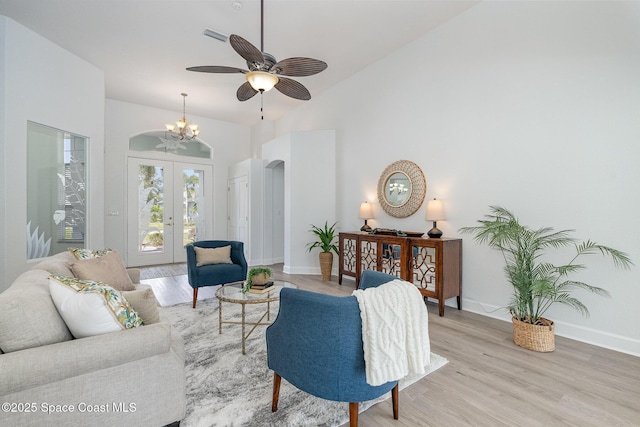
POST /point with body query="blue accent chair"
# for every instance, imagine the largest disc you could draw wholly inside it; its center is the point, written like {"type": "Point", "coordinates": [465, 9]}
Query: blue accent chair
{"type": "Point", "coordinates": [315, 344]}
{"type": "Point", "coordinates": [215, 274]}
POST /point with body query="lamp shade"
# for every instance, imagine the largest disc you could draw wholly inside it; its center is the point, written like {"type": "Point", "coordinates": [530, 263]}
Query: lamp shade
{"type": "Point", "coordinates": [262, 81]}
{"type": "Point", "coordinates": [366, 210]}
{"type": "Point", "coordinates": [435, 211]}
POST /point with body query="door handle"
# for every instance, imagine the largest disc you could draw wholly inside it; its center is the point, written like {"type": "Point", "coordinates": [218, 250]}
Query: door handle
{"type": "Point", "coordinates": [170, 223]}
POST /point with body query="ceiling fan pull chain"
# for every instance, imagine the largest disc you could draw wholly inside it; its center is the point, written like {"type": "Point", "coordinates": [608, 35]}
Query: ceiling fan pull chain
{"type": "Point", "coordinates": [261, 105]}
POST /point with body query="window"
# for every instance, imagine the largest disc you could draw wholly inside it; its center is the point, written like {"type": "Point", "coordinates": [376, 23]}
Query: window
{"type": "Point", "coordinates": [56, 181]}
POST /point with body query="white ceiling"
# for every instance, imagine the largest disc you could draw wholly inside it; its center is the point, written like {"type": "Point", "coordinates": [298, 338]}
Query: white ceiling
{"type": "Point", "coordinates": [144, 46]}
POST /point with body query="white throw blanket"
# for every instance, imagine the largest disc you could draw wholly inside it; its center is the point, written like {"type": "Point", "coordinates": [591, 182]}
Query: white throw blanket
{"type": "Point", "coordinates": [395, 331]}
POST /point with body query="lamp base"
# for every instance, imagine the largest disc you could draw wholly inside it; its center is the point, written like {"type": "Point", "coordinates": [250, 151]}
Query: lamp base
{"type": "Point", "coordinates": [434, 233]}
{"type": "Point", "coordinates": [365, 227]}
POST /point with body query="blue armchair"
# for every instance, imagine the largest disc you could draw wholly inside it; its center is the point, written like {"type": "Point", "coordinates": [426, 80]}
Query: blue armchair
{"type": "Point", "coordinates": [315, 344]}
{"type": "Point", "coordinates": [215, 274]}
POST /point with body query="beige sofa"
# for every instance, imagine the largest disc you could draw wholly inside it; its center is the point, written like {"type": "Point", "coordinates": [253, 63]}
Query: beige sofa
{"type": "Point", "coordinates": [132, 377]}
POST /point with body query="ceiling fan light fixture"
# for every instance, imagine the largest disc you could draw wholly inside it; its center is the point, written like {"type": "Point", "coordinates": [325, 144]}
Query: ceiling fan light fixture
{"type": "Point", "coordinates": [262, 81]}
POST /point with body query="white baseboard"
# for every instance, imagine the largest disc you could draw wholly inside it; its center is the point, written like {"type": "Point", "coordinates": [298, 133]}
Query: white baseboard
{"type": "Point", "coordinates": [568, 330]}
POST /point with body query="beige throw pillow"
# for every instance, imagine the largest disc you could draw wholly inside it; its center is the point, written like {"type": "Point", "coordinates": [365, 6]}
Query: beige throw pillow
{"type": "Point", "coordinates": [108, 269]}
{"type": "Point", "coordinates": [206, 256]}
{"type": "Point", "coordinates": [144, 303]}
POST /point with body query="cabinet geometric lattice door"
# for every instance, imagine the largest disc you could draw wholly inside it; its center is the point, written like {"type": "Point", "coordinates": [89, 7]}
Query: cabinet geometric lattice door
{"type": "Point", "coordinates": [433, 265]}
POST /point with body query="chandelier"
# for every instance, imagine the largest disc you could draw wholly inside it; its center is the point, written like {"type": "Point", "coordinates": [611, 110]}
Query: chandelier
{"type": "Point", "coordinates": [181, 129]}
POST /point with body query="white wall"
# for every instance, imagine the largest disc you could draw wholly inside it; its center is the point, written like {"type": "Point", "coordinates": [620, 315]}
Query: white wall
{"type": "Point", "coordinates": [229, 143]}
{"type": "Point", "coordinates": [309, 191]}
{"type": "Point", "coordinates": [529, 105]}
{"type": "Point", "coordinates": [44, 83]}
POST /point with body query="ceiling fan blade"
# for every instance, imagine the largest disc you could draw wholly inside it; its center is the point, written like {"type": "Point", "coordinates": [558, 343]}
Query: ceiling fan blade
{"type": "Point", "coordinates": [299, 67]}
{"type": "Point", "coordinates": [293, 89]}
{"type": "Point", "coordinates": [249, 52]}
{"type": "Point", "coordinates": [245, 91]}
{"type": "Point", "coordinates": [216, 69]}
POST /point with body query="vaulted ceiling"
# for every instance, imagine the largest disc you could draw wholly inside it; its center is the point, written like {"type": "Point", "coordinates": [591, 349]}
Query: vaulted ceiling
{"type": "Point", "coordinates": [144, 46]}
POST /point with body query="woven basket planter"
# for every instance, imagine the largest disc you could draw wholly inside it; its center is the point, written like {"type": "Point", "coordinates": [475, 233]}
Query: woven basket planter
{"type": "Point", "coordinates": [326, 265]}
{"type": "Point", "coordinates": [534, 337]}
{"type": "Point", "coordinates": [260, 279]}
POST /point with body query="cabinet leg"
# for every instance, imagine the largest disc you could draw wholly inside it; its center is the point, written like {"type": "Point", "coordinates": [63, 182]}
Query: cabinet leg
{"type": "Point", "coordinates": [441, 307]}
{"type": "Point", "coordinates": [459, 300]}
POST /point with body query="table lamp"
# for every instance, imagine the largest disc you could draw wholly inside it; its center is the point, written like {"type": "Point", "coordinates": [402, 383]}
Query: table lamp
{"type": "Point", "coordinates": [366, 212]}
{"type": "Point", "coordinates": [435, 212]}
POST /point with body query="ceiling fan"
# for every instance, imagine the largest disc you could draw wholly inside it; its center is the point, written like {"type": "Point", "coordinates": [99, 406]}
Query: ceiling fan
{"type": "Point", "coordinates": [264, 71]}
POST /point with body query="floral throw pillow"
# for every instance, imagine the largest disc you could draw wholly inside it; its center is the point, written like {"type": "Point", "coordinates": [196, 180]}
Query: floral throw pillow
{"type": "Point", "coordinates": [82, 253]}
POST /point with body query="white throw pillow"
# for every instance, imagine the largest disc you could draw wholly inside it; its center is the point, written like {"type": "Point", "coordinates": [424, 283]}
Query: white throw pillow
{"type": "Point", "coordinates": [221, 255]}
{"type": "Point", "coordinates": [91, 308]}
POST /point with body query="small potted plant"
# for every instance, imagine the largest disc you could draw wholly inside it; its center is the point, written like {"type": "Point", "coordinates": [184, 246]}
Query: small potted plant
{"type": "Point", "coordinates": [257, 276]}
{"type": "Point", "coordinates": [538, 284]}
{"type": "Point", "coordinates": [325, 241]}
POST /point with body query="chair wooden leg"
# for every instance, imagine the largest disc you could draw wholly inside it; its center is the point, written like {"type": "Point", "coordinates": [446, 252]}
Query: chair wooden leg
{"type": "Point", "coordinates": [195, 296]}
{"type": "Point", "coordinates": [353, 414]}
{"type": "Point", "coordinates": [394, 402]}
{"type": "Point", "coordinates": [276, 392]}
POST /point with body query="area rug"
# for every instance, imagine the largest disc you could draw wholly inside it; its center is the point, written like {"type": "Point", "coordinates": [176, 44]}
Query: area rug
{"type": "Point", "coordinates": [226, 388]}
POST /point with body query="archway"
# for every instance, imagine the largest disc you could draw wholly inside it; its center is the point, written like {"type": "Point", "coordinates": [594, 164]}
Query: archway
{"type": "Point", "coordinates": [274, 230]}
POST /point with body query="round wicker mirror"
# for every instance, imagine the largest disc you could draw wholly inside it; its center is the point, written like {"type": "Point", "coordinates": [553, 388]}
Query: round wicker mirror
{"type": "Point", "coordinates": [401, 189]}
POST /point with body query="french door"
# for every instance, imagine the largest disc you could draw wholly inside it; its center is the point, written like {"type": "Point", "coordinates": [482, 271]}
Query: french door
{"type": "Point", "coordinates": [167, 209]}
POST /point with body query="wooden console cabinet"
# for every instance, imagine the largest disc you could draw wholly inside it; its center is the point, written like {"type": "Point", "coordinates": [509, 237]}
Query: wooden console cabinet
{"type": "Point", "coordinates": [433, 265]}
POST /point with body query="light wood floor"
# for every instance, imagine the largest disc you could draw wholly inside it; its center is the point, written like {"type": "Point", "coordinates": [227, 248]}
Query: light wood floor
{"type": "Point", "coordinates": [489, 381]}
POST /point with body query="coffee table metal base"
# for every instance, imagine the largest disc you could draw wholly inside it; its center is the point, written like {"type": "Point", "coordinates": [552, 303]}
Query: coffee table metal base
{"type": "Point", "coordinates": [232, 293]}
{"type": "Point", "coordinates": [244, 323]}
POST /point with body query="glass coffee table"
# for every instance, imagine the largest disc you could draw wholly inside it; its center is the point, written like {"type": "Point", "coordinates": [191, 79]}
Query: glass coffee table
{"type": "Point", "coordinates": [232, 292]}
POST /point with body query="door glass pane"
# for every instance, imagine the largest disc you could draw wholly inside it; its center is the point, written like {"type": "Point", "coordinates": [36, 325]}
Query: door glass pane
{"type": "Point", "coordinates": [150, 209]}
{"type": "Point", "coordinates": [56, 177]}
{"type": "Point", "coordinates": [193, 206]}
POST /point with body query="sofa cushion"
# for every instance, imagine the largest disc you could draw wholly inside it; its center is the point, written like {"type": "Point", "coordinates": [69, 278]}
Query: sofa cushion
{"type": "Point", "coordinates": [28, 317]}
{"type": "Point", "coordinates": [144, 302]}
{"type": "Point", "coordinates": [83, 253]}
{"type": "Point", "coordinates": [91, 308]}
{"type": "Point", "coordinates": [206, 256]}
{"type": "Point", "coordinates": [107, 268]}
{"type": "Point", "coordinates": [57, 264]}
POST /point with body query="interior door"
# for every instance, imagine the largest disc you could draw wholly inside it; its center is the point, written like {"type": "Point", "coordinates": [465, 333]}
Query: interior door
{"type": "Point", "coordinates": [166, 209]}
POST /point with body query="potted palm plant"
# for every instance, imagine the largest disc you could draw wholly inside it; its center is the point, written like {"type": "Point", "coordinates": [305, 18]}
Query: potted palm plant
{"type": "Point", "coordinates": [325, 240]}
{"type": "Point", "coordinates": [538, 284]}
